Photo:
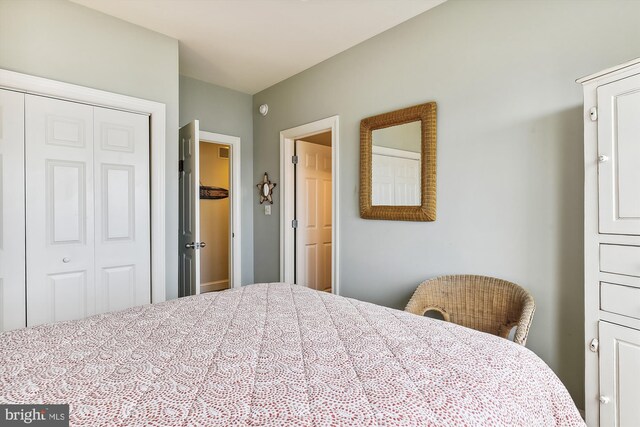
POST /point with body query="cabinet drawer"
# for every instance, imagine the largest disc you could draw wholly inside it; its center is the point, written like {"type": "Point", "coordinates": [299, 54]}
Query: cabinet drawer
{"type": "Point", "coordinates": [620, 259]}
{"type": "Point", "coordinates": [620, 299]}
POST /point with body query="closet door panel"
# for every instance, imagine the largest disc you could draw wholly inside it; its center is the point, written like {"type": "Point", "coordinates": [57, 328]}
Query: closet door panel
{"type": "Point", "coordinates": [123, 252]}
{"type": "Point", "coordinates": [60, 210]}
{"type": "Point", "coordinates": [12, 227]}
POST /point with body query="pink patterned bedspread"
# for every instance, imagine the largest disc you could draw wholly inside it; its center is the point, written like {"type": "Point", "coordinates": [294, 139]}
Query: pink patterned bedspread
{"type": "Point", "coordinates": [278, 355]}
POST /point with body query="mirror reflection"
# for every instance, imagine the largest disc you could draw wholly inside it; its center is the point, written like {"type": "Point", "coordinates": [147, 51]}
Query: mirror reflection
{"type": "Point", "coordinates": [396, 165]}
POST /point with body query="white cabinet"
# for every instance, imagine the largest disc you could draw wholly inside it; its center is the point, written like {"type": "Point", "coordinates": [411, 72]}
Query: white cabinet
{"type": "Point", "coordinates": [612, 245]}
{"type": "Point", "coordinates": [619, 376]}
{"type": "Point", "coordinates": [74, 212]}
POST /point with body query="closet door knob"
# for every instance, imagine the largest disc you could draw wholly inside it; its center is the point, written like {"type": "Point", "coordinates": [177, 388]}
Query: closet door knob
{"type": "Point", "coordinates": [602, 158]}
{"type": "Point", "coordinates": [604, 400]}
{"type": "Point", "coordinates": [66, 260]}
{"type": "Point", "coordinates": [203, 244]}
{"type": "Point", "coordinates": [191, 245]}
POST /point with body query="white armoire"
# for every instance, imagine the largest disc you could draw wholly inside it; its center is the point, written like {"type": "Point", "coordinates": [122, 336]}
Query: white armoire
{"type": "Point", "coordinates": [612, 245]}
{"type": "Point", "coordinates": [74, 210]}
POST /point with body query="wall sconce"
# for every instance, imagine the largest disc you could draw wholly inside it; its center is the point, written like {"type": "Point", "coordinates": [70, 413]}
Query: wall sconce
{"type": "Point", "coordinates": [266, 189]}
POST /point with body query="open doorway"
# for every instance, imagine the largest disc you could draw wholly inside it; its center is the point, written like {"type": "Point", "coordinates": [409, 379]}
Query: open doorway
{"type": "Point", "coordinates": [215, 216]}
{"type": "Point", "coordinates": [209, 211]}
{"type": "Point", "coordinates": [309, 215]}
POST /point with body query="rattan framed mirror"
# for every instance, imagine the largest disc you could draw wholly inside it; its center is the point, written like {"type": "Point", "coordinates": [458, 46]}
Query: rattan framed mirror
{"type": "Point", "coordinates": [398, 165]}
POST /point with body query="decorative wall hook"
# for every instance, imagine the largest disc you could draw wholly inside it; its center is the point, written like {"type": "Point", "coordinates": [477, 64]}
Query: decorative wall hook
{"type": "Point", "coordinates": [266, 189]}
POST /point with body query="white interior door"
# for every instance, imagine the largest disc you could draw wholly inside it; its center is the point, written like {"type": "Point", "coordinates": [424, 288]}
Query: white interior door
{"type": "Point", "coordinates": [619, 367]}
{"type": "Point", "coordinates": [12, 226]}
{"type": "Point", "coordinates": [189, 215]}
{"type": "Point", "coordinates": [60, 210]}
{"type": "Point", "coordinates": [122, 217]}
{"type": "Point", "coordinates": [619, 156]}
{"type": "Point", "coordinates": [314, 215]}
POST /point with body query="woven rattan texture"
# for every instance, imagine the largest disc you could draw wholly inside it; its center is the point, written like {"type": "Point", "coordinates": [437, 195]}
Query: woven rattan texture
{"type": "Point", "coordinates": [482, 303]}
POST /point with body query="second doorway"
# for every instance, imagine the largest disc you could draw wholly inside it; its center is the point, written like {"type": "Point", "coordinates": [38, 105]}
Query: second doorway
{"type": "Point", "coordinates": [313, 212]}
{"type": "Point", "coordinates": [215, 216]}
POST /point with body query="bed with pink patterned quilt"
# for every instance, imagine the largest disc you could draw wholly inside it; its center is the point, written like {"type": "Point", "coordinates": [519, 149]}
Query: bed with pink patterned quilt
{"type": "Point", "coordinates": [278, 355]}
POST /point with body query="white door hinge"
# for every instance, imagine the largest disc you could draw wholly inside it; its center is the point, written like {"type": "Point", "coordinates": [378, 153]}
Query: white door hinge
{"type": "Point", "coordinates": [593, 114]}
{"type": "Point", "coordinates": [294, 160]}
{"type": "Point", "coordinates": [593, 345]}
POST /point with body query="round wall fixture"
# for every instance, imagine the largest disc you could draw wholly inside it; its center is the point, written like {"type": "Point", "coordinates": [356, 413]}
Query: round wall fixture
{"type": "Point", "coordinates": [264, 109]}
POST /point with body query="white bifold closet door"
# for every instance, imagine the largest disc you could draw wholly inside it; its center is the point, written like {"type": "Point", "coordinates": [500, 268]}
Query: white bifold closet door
{"type": "Point", "coordinates": [87, 210]}
{"type": "Point", "coordinates": [122, 215]}
{"type": "Point", "coordinates": [12, 282]}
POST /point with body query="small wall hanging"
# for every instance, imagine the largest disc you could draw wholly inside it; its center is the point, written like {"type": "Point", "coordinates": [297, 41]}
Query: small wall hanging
{"type": "Point", "coordinates": [266, 189]}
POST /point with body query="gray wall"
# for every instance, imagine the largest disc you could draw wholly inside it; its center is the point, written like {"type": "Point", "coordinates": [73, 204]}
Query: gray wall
{"type": "Point", "coordinates": [63, 41]}
{"type": "Point", "coordinates": [226, 111]}
{"type": "Point", "coordinates": [510, 175]}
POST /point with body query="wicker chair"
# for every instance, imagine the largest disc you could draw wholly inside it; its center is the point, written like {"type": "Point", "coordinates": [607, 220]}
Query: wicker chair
{"type": "Point", "coordinates": [478, 302]}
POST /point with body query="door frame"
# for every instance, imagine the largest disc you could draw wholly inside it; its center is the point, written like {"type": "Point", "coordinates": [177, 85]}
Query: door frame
{"type": "Point", "coordinates": [287, 209]}
{"type": "Point", "coordinates": [156, 111]}
{"type": "Point", "coordinates": [235, 195]}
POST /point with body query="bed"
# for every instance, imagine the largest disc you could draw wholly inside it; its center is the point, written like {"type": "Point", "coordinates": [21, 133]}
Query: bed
{"type": "Point", "coordinates": [278, 355]}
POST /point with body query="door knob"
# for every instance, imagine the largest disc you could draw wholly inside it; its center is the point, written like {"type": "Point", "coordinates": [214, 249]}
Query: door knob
{"type": "Point", "coordinates": [604, 400]}
{"type": "Point", "coordinates": [602, 158]}
{"type": "Point", "coordinates": [66, 260]}
{"type": "Point", "coordinates": [191, 245]}
{"type": "Point", "coordinates": [203, 244]}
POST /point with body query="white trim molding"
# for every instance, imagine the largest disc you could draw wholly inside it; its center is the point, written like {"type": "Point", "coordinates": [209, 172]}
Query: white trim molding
{"type": "Point", "coordinates": [157, 117]}
{"type": "Point", "coordinates": [235, 195]}
{"type": "Point", "coordinates": [287, 208]}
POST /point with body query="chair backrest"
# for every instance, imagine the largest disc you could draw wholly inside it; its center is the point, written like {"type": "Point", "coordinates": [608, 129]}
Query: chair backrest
{"type": "Point", "coordinates": [483, 303]}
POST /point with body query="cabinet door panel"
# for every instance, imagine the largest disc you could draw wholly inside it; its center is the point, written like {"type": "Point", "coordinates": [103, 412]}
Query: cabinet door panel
{"type": "Point", "coordinates": [619, 367]}
{"type": "Point", "coordinates": [12, 256]}
{"type": "Point", "coordinates": [619, 161]}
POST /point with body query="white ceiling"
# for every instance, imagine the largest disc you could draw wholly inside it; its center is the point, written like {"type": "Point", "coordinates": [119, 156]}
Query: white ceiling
{"type": "Point", "coordinates": [249, 45]}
